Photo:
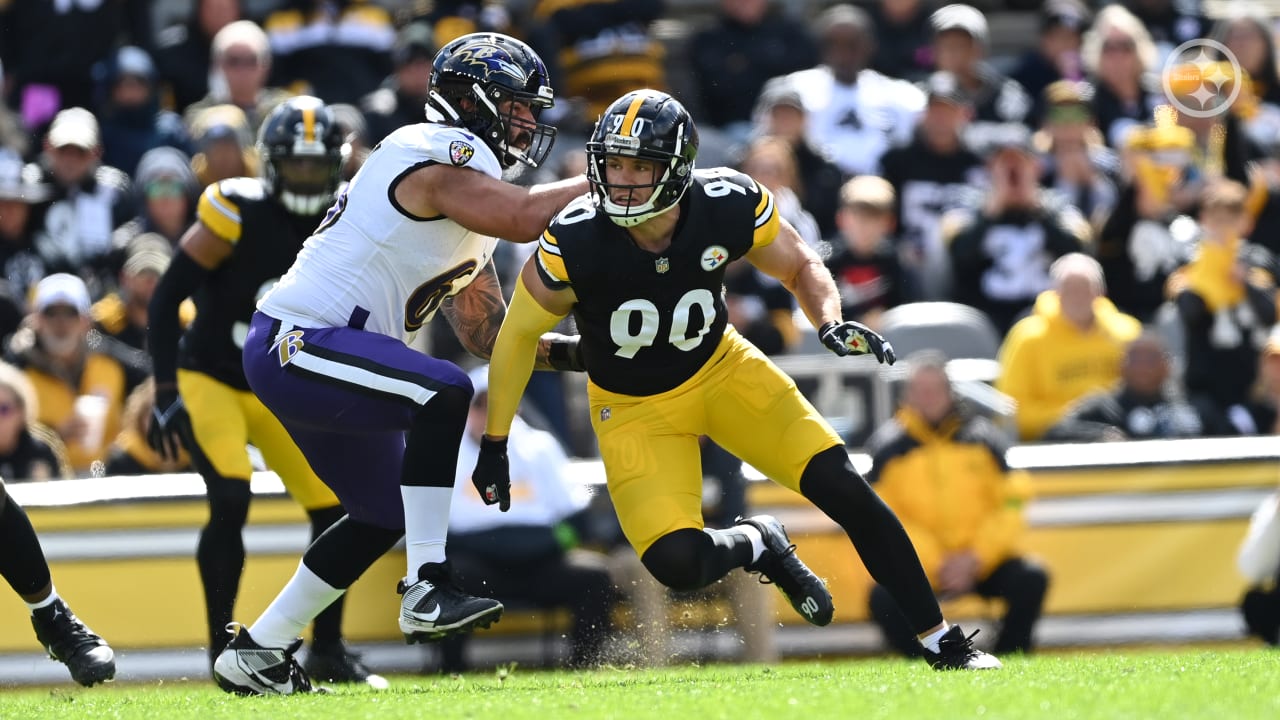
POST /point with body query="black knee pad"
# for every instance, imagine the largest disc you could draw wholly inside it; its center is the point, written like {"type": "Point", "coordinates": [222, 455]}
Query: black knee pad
{"type": "Point", "coordinates": [675, 560]}
{"type": "Point", "coordinates": [228, 501]}
{"type": "Point", "coordinates": [450, 404]}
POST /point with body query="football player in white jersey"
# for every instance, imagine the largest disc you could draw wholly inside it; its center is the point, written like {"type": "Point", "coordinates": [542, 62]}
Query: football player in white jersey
{"type": "Point", "coordinates": [327, 353]}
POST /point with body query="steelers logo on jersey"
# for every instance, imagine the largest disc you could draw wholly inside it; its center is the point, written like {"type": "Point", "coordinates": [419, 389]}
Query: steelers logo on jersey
{"type": "Point", "coordinates": [460, 153]}
{"type": "Point", "coordinates": [713, 257]}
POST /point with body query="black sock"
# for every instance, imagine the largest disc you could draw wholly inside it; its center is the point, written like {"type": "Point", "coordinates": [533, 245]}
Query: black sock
{"type": "Point", "coordinates": [830, 482]}
{"type": "Point", "coordinates": [220, 554]}
{"type": "Point", "coordinates": [22, 562]}
{"type": "Point", "coordinates": [327, 627]}
{"type": "Point", "coordinates": [343, 552]}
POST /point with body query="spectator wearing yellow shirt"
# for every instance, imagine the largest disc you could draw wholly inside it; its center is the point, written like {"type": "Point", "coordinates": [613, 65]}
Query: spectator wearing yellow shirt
{"type": "Point", "coordinates": [79, 390]}
{"type": "Point", "coordinates": [1071, 345]}
{"type": "Point", "coordinates": [943, 473]}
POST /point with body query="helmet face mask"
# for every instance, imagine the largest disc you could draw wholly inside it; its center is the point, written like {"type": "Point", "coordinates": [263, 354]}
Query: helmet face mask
{"type": "Point", "coordinates": [303, 151]}
{"type": "Point", "coordinates": [645, 125]}
{"type": "Point", "coordinates": [496, 87]}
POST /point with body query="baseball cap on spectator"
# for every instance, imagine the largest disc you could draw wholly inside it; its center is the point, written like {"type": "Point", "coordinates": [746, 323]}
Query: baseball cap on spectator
{"type": "Point", "coordinates": [221, 122]}
{"type": "Point", "coordinates": [997, 138]}
{"type": "Point", "coordinates": [414, 42]}
{"type": "Point", "coordinates": [15, 184]}
{"type": "Point", "coordinates": [779, 92]}
{"type": "Point", "coordinates": [62, 289]}
{"type": "Point", "coordinates": [965, 18]}
{"type": "Point", "coordinates": [74, 126]}
{"type": "Point", "coordinates": [1070, 14]}
{"type": "Point", "coordinates": [1068, 101]}
{"type": "Point", "coordinates": [146, 259]}
{"type": "Point", "coordinates": [131, 60]}
{"type": "Point", "coordinates": [945, 86]}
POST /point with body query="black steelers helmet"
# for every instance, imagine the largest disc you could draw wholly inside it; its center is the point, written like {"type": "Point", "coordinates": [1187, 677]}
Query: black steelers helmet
{"type": "Point", "coordinates": [473, 76]}
{"type": "Point", "coordinates": [650, 125]}
{"type": "Point", "coordinates": [303, 150]}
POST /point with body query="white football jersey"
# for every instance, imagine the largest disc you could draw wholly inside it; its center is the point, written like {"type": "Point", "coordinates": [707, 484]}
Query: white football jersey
{"type": "Point", "coordinates": [369, 255]}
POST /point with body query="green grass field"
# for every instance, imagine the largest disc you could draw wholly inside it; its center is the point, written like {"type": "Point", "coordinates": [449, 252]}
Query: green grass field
{"type": "Point", "coordinates": [1224, 685]}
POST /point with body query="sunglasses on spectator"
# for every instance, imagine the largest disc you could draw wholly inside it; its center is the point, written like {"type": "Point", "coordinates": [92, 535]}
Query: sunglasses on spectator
{"type": "Point", "coordinates": [245, 61]}
{"type": "Point", "coordinates": [166, 188]}
{"type": "Point", "coordinates": [60, 311]}
{"type": "Point", "coordinates": [1069, 113]}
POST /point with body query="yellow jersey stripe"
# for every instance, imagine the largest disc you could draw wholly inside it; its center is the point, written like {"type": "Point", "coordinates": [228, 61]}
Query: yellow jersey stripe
{"type": "Point", "coordinates": [630, 117]}
{"type": "Point", "coordinates": [546, 234]}
{"type": "Point", "coordinates": [308, 125]}
{"type": "Point", "coordinates": [550, 247]}
{"type": "Point", "coordinates": [219, 214]}
{"type": "Point", "coordinates": [552, 265]}
{"type": "Point", "coordinates": [766, 199]}
{"type": "Point", "coordinates": [763, 213]}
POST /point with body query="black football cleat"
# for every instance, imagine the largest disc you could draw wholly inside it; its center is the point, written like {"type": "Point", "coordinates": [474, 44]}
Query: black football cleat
{"type": "Point", "coordinates": [246, 668]}
{"type": "Point", "coordinates": [956, 652]}
{"type": "Point", "coordinates": [435, 607]}
{"type": "Point", "coordinates": [780, 565]}
{"type": "Point", "coordinates": [337, 663]}
{"type": "Point", "coordinates": [72, 643]}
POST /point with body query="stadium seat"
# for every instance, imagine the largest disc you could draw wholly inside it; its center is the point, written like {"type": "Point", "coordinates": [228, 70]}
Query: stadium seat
{"type": "Point", "coordinates": [957, 330]}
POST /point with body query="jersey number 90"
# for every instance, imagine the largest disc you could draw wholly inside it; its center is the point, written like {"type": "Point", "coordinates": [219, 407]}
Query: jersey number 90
{"type": "Point", "coordinates": [629, 343]}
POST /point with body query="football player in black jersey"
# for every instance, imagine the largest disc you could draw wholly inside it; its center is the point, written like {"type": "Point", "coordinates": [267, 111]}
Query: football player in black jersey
{"type": "Point", "coordinates": [247, 234]}
{"type": "Point", "coordinates": [640, 262]}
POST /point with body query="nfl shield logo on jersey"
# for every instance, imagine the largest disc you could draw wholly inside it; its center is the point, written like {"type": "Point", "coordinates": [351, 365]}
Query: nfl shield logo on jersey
{"type": "Point", "coordinates": [460, 152]}
{"type": "Point", "coordinates": [662, 265]}
{"type": "Point", "coordinates": [713, 257]}
{"type": "Point", "coordinates": [605, 414]}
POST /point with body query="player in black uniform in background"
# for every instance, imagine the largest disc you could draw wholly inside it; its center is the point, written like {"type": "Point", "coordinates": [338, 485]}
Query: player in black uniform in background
{"type": "Point", "coordinates": [640, 262]}
{"type": "Point", "coordinates": [247, 234]}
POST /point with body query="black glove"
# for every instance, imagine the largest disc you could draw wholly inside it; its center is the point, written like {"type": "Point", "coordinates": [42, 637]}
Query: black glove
{"type": "Point", "coordinates": [492, 476]}
{"type": "Point", "coordinates": [853, 338]}
{"type": "Point", "coordinates": [170, 425]}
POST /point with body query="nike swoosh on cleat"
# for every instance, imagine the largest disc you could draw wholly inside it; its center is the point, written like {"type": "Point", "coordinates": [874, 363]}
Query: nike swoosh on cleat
{"type": "Point", "coordinates": [431, 616]}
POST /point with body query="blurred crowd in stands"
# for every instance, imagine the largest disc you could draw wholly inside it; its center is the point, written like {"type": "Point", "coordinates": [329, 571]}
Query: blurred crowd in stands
{"type": "Point", "coordinates": [1107, 200]}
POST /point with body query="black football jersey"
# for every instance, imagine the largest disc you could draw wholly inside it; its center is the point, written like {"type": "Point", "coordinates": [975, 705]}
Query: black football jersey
{"type": "Point", "coordinates": [650, 321]}
{"type": "Point", "coordinates": [266, 240]}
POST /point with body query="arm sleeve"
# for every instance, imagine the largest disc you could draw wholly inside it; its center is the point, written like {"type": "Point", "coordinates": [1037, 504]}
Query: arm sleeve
{"type": "Point", "coordinates": [513, 355]}
{"type": "Point", "coordinates": [180, 281]}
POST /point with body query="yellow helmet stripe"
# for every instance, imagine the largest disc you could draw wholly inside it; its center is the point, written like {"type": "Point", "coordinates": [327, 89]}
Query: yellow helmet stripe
{"type": "Point", "coordinates": [630, 118]}
{"type": "Point", "coordinates": [308, 124]}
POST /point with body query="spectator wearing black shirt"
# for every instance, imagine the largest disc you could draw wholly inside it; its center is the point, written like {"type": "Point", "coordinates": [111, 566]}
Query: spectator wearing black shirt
{"type": "Point", "coordinates": [960, 45]}
{"type": "Point", "coordinates": [1142, 408]}
{"type": "Point", "coordinates": [1056, 55]}
{"type": "Point", "coordinates": [903, 47]}
{"type": "Point", "coordinates": [403, 95]}
{"type": "Point", "coordinates": [864, 261]}
{"type": "Point", "coordinates": [1118, 54]}
{"type": "Point", "coordinates": [183, 51]}
{"type": "Point", "coordinates": [930, 176]}
{"type": "Point", "coordinates": [1001, 253]}
{"type": "Point", "coordinates": [129, 112]}
{"type": "Point", "coordinates": [750, 42]}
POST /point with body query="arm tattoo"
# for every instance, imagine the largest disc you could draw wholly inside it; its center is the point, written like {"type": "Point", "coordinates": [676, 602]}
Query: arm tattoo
{"type": "Point", "coordinates": [476, 312]}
